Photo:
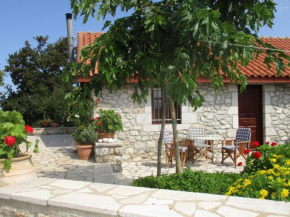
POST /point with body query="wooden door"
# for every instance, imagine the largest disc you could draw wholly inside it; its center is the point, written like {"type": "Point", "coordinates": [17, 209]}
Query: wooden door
{"type": "Point", "coordinates": [251, 111]}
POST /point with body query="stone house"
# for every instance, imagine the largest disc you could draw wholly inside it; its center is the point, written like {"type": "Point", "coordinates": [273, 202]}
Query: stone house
{"type": "Point", "coordinates": [264, 107]}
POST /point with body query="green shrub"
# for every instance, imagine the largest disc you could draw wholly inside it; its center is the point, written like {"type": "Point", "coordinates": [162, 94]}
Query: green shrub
{"type": "Point", "coordinates": [85, 134]}
{"type": "Point", "coordinates": [267, 154]}
{"type": "Point", "coordinates": [198, 181]}
{"type": "Point", "coordinates": [266, 177]}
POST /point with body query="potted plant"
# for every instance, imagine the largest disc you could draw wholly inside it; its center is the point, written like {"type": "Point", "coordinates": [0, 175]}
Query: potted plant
{"type": "Point", "coordinates": [85, 136]}
{"type": "Point", "coordinates": [46, 122]}
{"type": "Point", "coordinates": [15, 166]}
{"type": "Point", "coordinates": [108, 123]}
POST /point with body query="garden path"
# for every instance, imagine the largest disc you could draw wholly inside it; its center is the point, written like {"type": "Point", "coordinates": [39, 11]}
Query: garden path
{"type": "Point", "coordinates": [58, 159]}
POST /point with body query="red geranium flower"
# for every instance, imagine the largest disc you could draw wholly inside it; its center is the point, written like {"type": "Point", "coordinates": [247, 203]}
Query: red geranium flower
{"type": "Point", "coordinates": [99, 123]}
{"type": "Point", "coordinates": [97, 118]}
{"type": "Point", "coordinates": [116, 114]}
{"type": "Point", "coordinates": [71, 104]}
{"type": "Point", "coordinates": [246, 151]}
{"type": "Point", "coordinates": [240, 164]}
{"type": "Point", "coordinates": [256, 144]}
{"type": "Point", "coordinates": [10, 140]}
{"type": "Point", "coordinates": [257, 155]}
{"type": "Point", "coordinates": [91, 119]}
{"type": "Point", "coordinates": [28, 129]}
{"type": "Point", "coordinates": [267, 143]}
{"type": "Point", "coordinates": [274, 143]}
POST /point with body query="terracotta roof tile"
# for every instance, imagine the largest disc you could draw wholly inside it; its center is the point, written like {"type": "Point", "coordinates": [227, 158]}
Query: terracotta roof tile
{"type": "Point", "coordinates": [256, 68]}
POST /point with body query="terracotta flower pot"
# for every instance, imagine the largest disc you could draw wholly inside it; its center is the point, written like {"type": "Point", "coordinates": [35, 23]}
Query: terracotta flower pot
{"type": "Point", "coordinates": [84, 151]}
{"type": "Point", "coordinates": [54, 124]}
{"type": "Point", "coordinates": [22, 169]}
{"type": "Point", "coordinates": [106, 135]}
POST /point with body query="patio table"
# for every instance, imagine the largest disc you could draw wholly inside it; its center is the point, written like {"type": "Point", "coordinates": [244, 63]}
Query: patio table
{"type": "Point", "coordinates": [210, 141]}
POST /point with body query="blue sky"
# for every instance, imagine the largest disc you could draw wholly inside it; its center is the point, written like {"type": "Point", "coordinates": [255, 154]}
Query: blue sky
{"type": "Point", "coordinates": [24, 19]}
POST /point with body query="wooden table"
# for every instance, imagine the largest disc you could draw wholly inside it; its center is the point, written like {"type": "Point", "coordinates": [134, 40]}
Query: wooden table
{"type": "Point", "coordinates": [208, 140]}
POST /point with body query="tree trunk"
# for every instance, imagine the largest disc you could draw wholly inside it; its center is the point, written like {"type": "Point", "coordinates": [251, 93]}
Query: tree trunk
{"type": "Point", "coordinates": [159, 150]}
{"type": "Point", "coordinates": [175, 137]}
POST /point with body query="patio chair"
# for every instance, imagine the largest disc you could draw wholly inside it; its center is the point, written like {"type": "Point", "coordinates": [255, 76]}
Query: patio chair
{"type": "Point", "coordinates": [235, 148]}
{"type": "Point", "coordinates": [170, 151]}
{"type": "Point", "coordinates": [198, 147]}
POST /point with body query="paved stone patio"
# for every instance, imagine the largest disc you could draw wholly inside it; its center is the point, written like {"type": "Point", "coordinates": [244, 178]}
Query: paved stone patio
{"type": "Point", "coordinates": [58, 159]}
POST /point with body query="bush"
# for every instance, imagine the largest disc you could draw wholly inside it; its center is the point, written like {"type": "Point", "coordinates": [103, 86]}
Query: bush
{"type": "Point", "coordinates": [108, 122]}
{"type": "Point", "coordinates": [198, 181]}
{"type": "Point", "coordinates": [267, 177]}
{"type": "Point", "coordinates": [85, 134]}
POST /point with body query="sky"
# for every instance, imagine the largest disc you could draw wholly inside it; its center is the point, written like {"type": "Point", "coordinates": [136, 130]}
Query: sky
{"type": "Point", "coordinates": [22, 20]}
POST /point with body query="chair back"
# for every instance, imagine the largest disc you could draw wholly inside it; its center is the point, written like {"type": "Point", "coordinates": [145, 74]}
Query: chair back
{"type": "Point", "coordinates": [243, 134]}
{"type": "Point", "coordinates": [166, 137]}
{"type": "Point", "coordinates": [194, 132]}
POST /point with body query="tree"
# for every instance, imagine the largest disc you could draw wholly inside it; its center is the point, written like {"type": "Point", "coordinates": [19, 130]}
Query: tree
{"type": "Point", "coordinates": [2, 74]}
{"type": "Point", "coordinates": [36, 73]}
{"type": "Point", "coordinates": [170, 43]}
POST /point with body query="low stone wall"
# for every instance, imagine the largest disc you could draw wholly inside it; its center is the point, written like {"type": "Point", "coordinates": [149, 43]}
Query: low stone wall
{"type": "Point", "coordinates": [53, 130]}
{"type": "Point", "coordinates": [109, 153]}
{"type": "Point", "coordinates": [53, 197]}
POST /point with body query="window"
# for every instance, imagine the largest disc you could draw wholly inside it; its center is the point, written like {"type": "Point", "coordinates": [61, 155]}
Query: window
{"type": "Point", "coordinates": [157, 96]}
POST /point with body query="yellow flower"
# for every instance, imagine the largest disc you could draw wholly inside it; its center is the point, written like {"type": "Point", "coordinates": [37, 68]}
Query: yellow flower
{"type": "Point", "coordinates": [274, 194]}
{"type": "Point", "coordinates": [286, 173]}
{"type": "Point", "coordinates": [239, 186]}
{"type": "Point", "coordinates": [276, 166]}
{"type": "Point", "coordinates": [274, 155]}
{"type": "Point", "coordinates": [263, 194]}
{"type": "Point", "coordinates": [277, 174]}
{"type": "Point", "coordinates": [270, 178]}
{"type": "Point", "coordinates": [261, 172]}
{"type": "Point", "coordinates": [247, 182]}
{"type": "Point", "coordinates": [270, 171]}
{"type": "Point", "coordinates": [284, 193]}
{"type": "Point", "coordinates": [273, 160]}
{"type": "Point", "coordinates": [287, 162]}
{"type": "Point", "coordinates": [228, 193]}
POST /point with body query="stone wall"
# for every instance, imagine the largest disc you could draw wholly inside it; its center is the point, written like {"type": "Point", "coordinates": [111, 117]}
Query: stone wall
{"type": "Point", "coordinates": [277, 113]}
{"type": "Point", "coordinates": [219, 114]}
{"type": "Point", "coordinates": [53, 130]}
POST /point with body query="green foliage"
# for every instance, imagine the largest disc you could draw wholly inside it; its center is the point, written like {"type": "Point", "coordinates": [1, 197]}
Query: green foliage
{"type": "Point", "coordinates": [198, 181]}
{"type": "Point", "coordinates": [2, 74]}
{"type": "Point", "coordinates": [12, 124]}
{"type": "Point", "coordinates": [36, 73]}
{"type": "Point", "coordinates": [172, 43]}
{"type": "Point", "coordinates": [109, 122]}
{"type": "Point", "coordinates": [267, 177]}
{"type": "Point", "coordinates": [80, 107]}
{"type": "Point", "coordinates": [86, 134]}
{"type": "Point", "coordinates": [268, 153]}
{"type": "Point", "coordinates": [7, 164]}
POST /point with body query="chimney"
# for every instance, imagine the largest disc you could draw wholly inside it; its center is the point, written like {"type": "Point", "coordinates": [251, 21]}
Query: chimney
{"type": "Point", "coordinates": [70, 36]}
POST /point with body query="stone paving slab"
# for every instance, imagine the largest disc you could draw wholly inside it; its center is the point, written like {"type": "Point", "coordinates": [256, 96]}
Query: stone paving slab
{"type": "Point", "coordinates": [113, 200]}
{"type": "Point", "coordinates": [58, 159]}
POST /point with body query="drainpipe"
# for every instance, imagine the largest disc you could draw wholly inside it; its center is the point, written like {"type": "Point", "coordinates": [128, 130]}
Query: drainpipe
{"type": "Point", "coordinates": [70, 36]}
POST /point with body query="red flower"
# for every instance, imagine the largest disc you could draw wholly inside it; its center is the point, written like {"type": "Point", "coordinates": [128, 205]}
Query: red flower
{"type": "Point", "coordinates": [256, 144]}
{"type": "Point", "coordinates": [71, 104]}
{"type": "Point", "coordinates": [97, 118]}
{"type": "Point", "coordinates": [257, 155]}
{"type": "Point", "coordinates": [274, 143]}
{"type": "Point", "coordinates": [246, 151]}
{"type": "Point", "coordinates": [116, 114]}
{"type": "Point", "coordinates": [99, 123]}
{"type": "Point", "coordinates": [10, 140]}
{"type": "Point", "coordinates": [28, 129]}
{"type": "Point", "coordinates": [240, 164]}
{"type": "Point", "coordinates": [267, 143]}
{"type": "Point", "coordinates": [98, 130]}
{"type": "Point", "coordinates": [91, 119]}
